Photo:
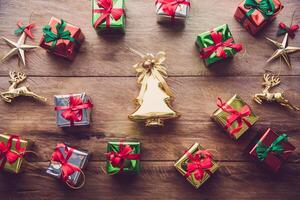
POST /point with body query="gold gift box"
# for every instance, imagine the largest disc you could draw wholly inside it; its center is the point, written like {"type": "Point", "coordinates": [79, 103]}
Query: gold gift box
{"type": "Point", "coordinates": [179, 165]}
{"type": "Point", "coordinates": [16, 166]}
{"type": "Point", "coordinates": [237, 103]}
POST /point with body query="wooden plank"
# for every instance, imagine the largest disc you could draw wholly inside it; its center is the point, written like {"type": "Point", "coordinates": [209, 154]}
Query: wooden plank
{"type": "Point", "coordinates": [195, 99]}
{"type": "Point", "coordinates": [109, 55]}
{"type": "Point", "coordinates": [158, 181]}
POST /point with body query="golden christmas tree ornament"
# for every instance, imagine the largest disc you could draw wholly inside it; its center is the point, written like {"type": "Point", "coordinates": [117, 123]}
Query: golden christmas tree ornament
{"type": "Point", "coordinates": [155, 97]}
{"type": "Point", "coordinates": [14, 91]}
{"type": "Point", "coordinates": [266, 95]}
{"type": "Point", "coordinates": [18, 48]}
{"type": "Point", "coordinates": [283, 50]}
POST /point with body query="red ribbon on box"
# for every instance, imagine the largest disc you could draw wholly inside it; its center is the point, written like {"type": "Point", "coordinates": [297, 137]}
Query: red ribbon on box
{"type": "Point", "coordinates": [73, 112]}
{"type": "Point", "coordinates": [170, 6]}
{"type": "Point", "coordinates": [107, 11]}
{"type": "Point", "coordinates": [219, 46]}
{"type": "Point", "coordinates": [117, 159]}
{"type": "Point", "coordinates": [199, 163]}
{"type": "Point", "coordinates": [6, 154]}
{"type": "Point", "coordinates": [66, 169]}
{"type": "Point", "coordinates": [235, 116]}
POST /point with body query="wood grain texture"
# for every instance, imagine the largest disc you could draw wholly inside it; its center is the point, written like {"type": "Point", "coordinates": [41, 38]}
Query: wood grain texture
{"type": "Point", "coordinates": [103, 69]}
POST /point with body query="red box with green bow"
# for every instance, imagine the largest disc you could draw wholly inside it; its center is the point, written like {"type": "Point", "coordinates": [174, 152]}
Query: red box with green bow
{"type": "Point", "coordinates": [108, 15]}
{"type": "Point", "coordinates": [12, 150]}
{"type": "Point", "coordinates": [272, 150]}
{"type": "Point", "coordinates": [123, 157]}
{"type": "Point", "coordinates": [61, 38]}
{"type": "Point", "coordinates": [217, 45]}
{"type": "Point", "coordinates": [254, 15]}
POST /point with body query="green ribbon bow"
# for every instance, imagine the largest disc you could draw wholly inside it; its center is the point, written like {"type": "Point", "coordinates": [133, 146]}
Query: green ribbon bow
{"type": "Point", "coordinates": [20, 30]}
{"type": "Point", "coordinates": [263, 150]}
{"type": "Point", "coordinates": [266, 7]}
{"type": "Point", "coordinates": [49, 36]}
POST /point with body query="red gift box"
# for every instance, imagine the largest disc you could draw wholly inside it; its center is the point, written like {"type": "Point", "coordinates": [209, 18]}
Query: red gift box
{"type": "Point", "coordinates": [64, 48]}
{"type": "Point", "coordinates": [257, 20]}
{"type": "Point", "coordinates": [273, 161]}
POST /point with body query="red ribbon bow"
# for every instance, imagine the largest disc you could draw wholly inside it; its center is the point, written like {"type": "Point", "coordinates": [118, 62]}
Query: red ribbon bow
{"type": "Point", "coordinates": [198, 164]}
{"type": "Point", "coordinates": [27, 28]}
{"type": "Point", "coordinates": [6, 155]}
{"type": "Point", "coordinates": [73, 112]}
{"type": "Point", "coordinates": [107, 11]}
{"type": "Point", "coordinates": [290, 30]}
{"type": "Point", "coordinates": [170, 6]}
{"type": "Point", "coordinates": [67, 169]}
{"type": "Point", "coordinates": [117, 159]}
{"type": "Point", "coordinates": [219, 46]}
{"type": "Point", "coordinates": [235, 116]}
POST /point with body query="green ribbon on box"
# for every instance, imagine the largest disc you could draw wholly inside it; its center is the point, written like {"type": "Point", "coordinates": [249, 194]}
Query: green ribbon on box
{"type": "Point", "coordinates": [263, 150]}
{"type": "Point", "coordinates": [266, 7]}
{"type": "Point", "coordinates": [49, 36]}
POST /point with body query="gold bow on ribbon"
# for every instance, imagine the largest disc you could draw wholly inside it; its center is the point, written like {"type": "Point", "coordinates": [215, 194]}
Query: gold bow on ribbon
{"type": "Point", "coordinates": [151, 65]}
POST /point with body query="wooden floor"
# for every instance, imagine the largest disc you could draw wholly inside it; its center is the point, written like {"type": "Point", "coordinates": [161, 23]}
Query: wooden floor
{"type": "Point", "coordinates": [103, 69]}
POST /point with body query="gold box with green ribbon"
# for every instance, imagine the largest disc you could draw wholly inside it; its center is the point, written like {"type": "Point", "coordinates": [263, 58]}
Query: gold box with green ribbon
{"type": "Point", "coordinates": [235, 116]}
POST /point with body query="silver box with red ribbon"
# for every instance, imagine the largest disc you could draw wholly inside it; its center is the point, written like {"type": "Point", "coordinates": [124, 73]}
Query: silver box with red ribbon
{"type": "Point", "coordinates": [73, 110]}
{"type": "Point", "coordinates": [168, 10]}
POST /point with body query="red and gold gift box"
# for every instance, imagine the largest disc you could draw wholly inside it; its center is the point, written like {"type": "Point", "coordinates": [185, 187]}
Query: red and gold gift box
{"type": "Point", "coordinates": [254, 17]}
{"type": "Point", "coordinates": [62, 44]}
{"type": "Point", "coordinates": [12, 150]}
{"type": "Point", "coordinates": [197, 165]}
{"type": "Point", "coordinates": [272, 149]}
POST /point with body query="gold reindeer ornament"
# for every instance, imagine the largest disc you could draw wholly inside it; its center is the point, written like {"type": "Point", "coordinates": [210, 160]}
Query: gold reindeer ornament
{"type": "Point", "coordinates": [14, 91]}
{"type": "Point", "coordinates": [271, 81]}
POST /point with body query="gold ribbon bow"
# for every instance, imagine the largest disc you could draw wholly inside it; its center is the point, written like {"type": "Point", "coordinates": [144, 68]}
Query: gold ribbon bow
{"type": "Point", "coordinates": [151, 65]}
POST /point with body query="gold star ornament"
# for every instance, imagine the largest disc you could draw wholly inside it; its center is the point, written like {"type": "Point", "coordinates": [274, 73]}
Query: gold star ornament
{"type": "Point", "coordinates": [18, 48]}
{"type": "Point", "coordinates": [283, 50]}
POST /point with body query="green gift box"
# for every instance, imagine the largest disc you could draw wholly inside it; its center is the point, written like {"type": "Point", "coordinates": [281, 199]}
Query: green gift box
{"type": "Point", "coordinates": [182, 165]}
{"type": "Point", "coordinates": [235, 116]}
{"type": "Point", "coordinates": [12, 149]}
{"type": "Point", "coordinates": [123, 157]}
{"type": "Point", "coordinates": [105, 19]}
{"type": "Point", "coordinates": [217, 45]}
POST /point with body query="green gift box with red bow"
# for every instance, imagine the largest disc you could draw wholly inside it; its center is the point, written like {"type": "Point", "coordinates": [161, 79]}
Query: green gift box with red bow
{"type": "Point", "coordinates": [12, 150]}
{"type": "Point", "coordinates": [235, 116]}
{"type": "Point", "coordinates": [197, 165]}
{"type": "Point", "coordinates": [108, 15]}
{"type": "Point", "coordinates": [123, 157]}
{"type": "Point", "coordinates": [217, 44]}
{"type": "Point", "coordinates": [62, 38]}
{"type": "Point", "coordinates": [254, 15]}
{"type": "Point", "coordinates": [272, 150]}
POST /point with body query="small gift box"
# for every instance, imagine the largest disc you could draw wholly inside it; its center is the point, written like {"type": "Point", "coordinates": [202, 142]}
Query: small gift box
{"type": "Point", "coordinates": [61, 38]}
{"type": "Point", "coordinates": [67, 164]}
{"type": "Point", "coordinates": [235, 116]}
{"type": "Point", "coordinates": [12, 150]}
{"type": "Point", "coordinates": [108, 15]}
{"type": "Point", "coordinates": [272, 149]}
{"type": "Point", "coordinates": [254, 15]}
{"type": "Point", "coordinates": [197, 165]}
{"type": "Point", "coordinates": [172, 9]}
{"type": "Point", "coordinates": [217, 45]}
{"type": "Point", "coordinates": [73, 110]}
{"type": "Point", "coordinates": [123, 157]}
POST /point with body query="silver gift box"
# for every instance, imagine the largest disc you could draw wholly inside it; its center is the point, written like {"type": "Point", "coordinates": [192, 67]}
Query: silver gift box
{"type": "Point", "coordinates": [181, 13]}
{"type": "Point", "coordinates": [78, 158]}
{"type": "Point", "coordinates": [64, 100]}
